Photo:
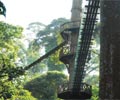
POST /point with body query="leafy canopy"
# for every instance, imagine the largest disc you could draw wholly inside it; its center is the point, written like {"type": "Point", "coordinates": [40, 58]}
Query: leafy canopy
{"type": "Point", "coordinates": [44, 87]}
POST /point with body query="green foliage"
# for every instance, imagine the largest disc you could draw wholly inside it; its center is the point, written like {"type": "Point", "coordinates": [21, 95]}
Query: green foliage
{"type": "Point", "coordinates": [54, 62]}
{"type": "Point", "coordinates": [8, 31]}
{"type": "Point", "coordinates": [47, 37]}
{"type": "Point", "coordinates": [95, 92]}
{"type": "Point", "coordinates": [9, 69]}
{"type": "Point", "coordinates": [23, 95]}
{"type": "Point", "coordinates": [8, 48]}
{"type": "Point", "coordinates": [93, 80]}
{"type": "Point", "coordinates": [50, 37]}
{"type": "Point", "coordinates": [45, 86]}
{"type": "Point", "coordinates": [35, 27]}
{"type": "Point", "coordinates": [7, 89]}
{"type": "Point", "coordinates": [8, 36]}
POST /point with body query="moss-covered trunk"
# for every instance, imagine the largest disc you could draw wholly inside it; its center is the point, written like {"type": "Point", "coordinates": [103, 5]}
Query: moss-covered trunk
{"type": "Point", "coordinates": [110, 50]}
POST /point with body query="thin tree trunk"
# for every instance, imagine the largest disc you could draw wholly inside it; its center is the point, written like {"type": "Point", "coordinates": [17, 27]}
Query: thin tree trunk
{"type": "Point", "coordinates": [110, 50]}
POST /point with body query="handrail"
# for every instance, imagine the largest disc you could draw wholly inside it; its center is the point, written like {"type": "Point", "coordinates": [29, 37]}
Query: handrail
{"type": "Point", "coordinates": [45, 56]}
{"type": "Point", "coordinates": [84, 44]}
{"type": "Point", "coordinates": [69, 25]}
{"type": "Point", "coordinates": [21, 71]}
{"type": "Point", "coordinates": [84, 88]}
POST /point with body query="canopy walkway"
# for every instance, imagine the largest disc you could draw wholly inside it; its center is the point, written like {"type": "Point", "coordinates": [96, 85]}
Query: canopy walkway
{"type": "Point", "coordinates": [17, 72]}
{"type": "Point", "coordinates": [45, 56]}
{"type": "Point", "coordinates": [79, 89]}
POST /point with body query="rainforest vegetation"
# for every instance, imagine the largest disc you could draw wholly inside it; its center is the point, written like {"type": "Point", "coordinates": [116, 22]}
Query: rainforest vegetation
{"type": "Point", "coordinates": [19, 48]}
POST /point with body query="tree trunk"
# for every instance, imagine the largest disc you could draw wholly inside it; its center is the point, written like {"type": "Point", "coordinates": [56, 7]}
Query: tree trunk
{"type": "Point", "coordinates": [110, 50]}
{"type": "Point", "coordinates": [76, 10]}
{"type": "Point", "coordinates": [75, 16]}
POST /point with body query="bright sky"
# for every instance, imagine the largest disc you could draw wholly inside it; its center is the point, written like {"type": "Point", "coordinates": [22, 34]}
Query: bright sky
{"type": "Point", "coordinates": [23, 12]}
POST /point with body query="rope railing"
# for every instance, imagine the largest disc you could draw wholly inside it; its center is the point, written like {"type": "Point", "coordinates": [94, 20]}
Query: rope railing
{"type": "Point", "coordinates": [84, 44]}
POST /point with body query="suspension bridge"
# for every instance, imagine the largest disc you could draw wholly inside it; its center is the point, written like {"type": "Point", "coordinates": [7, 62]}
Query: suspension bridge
{"type": "Point", "coordinates": [77, 89]}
